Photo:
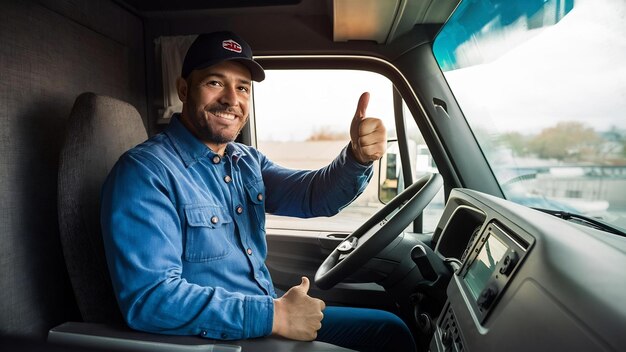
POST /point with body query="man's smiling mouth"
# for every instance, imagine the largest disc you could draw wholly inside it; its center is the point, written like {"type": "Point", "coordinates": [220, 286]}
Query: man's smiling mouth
{"type": "Point", "coordinates": [224, 115]}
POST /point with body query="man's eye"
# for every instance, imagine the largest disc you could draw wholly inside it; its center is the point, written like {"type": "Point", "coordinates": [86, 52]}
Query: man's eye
{"type": "Point", "coordinates": [244, 89]}
{"type": "Point", "coordinates": [214, 83]}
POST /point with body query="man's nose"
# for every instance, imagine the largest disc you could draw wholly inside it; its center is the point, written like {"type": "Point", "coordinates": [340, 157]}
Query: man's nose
{"type": "Point", "coordinates": [229, 96]}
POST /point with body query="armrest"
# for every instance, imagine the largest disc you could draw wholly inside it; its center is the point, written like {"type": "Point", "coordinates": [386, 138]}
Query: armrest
{"type": "Point", "coordinates": [122, 338]}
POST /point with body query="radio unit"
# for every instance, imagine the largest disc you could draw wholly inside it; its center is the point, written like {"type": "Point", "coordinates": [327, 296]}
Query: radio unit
{"type": "Point", "coordinates": [490, 262]}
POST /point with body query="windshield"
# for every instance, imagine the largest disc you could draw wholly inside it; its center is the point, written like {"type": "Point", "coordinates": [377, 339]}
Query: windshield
{"type": "Point", "coordinates": [542, 84]}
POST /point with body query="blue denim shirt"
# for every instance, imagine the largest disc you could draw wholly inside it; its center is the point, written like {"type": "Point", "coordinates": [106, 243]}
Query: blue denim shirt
{"type": "Point", "coordinates": [184, 231]}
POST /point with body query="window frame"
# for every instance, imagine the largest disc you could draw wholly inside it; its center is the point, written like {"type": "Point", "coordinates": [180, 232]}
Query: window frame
{"type": "Point", "coordinates": [399, 87]}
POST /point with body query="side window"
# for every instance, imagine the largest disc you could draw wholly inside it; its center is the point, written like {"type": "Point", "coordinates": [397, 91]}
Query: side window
{"type": "Point", "coordinates": [303, 120]}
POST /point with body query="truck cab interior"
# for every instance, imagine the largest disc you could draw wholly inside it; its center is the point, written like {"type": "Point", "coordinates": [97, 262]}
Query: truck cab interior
{"type": "Point", "coordinates": [495, 221]}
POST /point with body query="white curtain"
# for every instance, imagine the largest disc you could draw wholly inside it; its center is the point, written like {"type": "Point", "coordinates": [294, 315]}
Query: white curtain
{"type": "Point", "coordinates": [171, 50]}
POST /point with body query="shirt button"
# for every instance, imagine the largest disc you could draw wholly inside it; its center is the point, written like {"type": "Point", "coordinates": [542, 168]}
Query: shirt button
{"type": "Point", "coordinates": [216, 159]}
{"type": "Point", "coordinates": [224, 335]}
{"type": "Point", "coordinates": [203, 332]}
{"type": "Point", "coordinates": [249, 251]}
{"type": "Point", "coordinates": [215, 219]}
{"type": "Point", "coordinates": [259, 196]}
{"type": "Point", "coordinates": [227, 179]}
{"type": "Point", "coordinates": [239, 209]}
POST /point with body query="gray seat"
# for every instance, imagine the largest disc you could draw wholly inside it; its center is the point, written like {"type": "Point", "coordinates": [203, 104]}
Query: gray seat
{"type": "Point", "coordinates": [99, 130]}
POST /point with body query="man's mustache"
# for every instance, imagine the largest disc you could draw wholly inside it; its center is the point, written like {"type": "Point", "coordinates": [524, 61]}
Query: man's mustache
{"type": "Point", "coordinates": [225, 109]}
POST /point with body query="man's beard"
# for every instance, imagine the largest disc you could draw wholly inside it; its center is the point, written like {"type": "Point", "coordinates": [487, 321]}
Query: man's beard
{"type": "Point", "coordinates": [212, 135]}
{"type": "Point", "coordinates": [209, 134]}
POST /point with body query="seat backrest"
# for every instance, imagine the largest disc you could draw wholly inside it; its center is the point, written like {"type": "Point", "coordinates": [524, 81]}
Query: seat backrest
{"type": "Point", "coordinates": [99, 130]}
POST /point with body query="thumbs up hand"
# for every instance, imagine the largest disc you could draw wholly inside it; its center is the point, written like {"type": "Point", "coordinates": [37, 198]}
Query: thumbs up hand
{"type": "Point", "coordinates": [297, 315]}
{"type": "Point", "coordinates": [367, 134]}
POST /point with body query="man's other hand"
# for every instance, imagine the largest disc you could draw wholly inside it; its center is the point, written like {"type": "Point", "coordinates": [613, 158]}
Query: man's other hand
{"type": "Point", "coordinates": [298, 316]}
{"type": "Point", "coordinates": [367, 134]}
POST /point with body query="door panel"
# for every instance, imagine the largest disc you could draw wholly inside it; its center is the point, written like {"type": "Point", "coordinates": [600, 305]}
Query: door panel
{"type": "Point", "coordinates": [293, 254]}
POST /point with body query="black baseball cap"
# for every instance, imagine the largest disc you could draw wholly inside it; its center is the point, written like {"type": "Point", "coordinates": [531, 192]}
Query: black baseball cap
{"type": "Point", "coordinates": [212, 48]}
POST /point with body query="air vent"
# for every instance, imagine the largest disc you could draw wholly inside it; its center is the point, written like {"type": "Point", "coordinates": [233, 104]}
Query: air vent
{"type": "Point", "coordinates": [449, 332]}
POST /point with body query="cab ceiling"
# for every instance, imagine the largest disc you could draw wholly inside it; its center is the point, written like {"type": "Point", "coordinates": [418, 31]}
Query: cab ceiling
{"type": "Point", "coordinates": [370, 20]}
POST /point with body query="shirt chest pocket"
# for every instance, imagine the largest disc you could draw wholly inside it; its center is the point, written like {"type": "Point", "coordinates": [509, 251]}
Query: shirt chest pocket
{"type": "Point", "coordinates": [209, 230]}
{"type": "Point", "coordinates": [256, 198]}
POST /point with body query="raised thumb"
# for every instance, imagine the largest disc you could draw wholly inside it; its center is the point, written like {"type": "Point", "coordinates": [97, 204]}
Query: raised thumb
{"type": "Point", "coordinates": [361, 106]}
{"type": "Point", "coordinates": [305, 284]}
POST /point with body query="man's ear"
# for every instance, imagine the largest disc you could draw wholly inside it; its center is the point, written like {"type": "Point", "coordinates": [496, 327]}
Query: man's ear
{"type": "Point", "coordinates": [181, 88]}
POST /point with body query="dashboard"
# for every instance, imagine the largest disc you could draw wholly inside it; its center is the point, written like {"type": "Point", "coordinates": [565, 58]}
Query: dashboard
{"type": "Point", "coordinates": [527, 281]}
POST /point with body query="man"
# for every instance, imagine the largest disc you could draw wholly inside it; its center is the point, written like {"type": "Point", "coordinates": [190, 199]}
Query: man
{"type": "Point", "coordinates": [183, 216]}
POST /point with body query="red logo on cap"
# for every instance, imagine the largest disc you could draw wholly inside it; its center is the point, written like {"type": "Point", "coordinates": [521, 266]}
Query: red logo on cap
{"type": "Point", "coordinates": [231, 45]}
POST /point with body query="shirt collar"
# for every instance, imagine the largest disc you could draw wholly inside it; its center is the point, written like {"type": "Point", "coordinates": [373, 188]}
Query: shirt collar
{"type": "Point", "coordinates": [191, 149]}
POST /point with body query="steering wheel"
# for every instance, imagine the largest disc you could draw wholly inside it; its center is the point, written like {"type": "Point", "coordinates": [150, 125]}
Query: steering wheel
{"type": "Point", "coordinates": [377, 232]}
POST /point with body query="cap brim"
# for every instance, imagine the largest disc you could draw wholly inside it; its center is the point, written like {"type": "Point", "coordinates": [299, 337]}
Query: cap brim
{"type": "Point", "coordinates": [256, 71]}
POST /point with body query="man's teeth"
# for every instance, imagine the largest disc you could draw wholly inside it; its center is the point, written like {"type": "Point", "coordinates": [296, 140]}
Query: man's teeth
{"type": "Point", "coordinates": [225, 115]}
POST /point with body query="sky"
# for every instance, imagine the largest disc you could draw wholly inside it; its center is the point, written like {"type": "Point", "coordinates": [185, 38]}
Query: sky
{"type": "Point", "coordinates": [291, 104]}
{"type": "Point", "coordinates": [580, 74]}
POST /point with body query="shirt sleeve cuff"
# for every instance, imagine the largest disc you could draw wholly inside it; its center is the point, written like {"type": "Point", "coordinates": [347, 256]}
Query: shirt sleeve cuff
{"type": "Point", "coordinates": [259, 316]}
{"type": "Point", "coordinates": [350, 160]}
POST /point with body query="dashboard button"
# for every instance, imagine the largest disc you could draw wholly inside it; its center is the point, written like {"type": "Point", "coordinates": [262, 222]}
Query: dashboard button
{"type": "Point", "coordinates": [487, 297]}
{"type": "Point", "coordinates": [508, 263]}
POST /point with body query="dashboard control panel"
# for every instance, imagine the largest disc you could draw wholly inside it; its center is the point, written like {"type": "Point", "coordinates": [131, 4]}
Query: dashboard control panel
{"type": "Point", "coordinates": [528, 281]}
{"type": "Point", "coordinates": [489, 265]}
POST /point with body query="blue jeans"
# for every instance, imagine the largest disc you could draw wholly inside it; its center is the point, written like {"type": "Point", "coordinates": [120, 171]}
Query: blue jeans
{"type": "Point", "coordinates": [365, 329]}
